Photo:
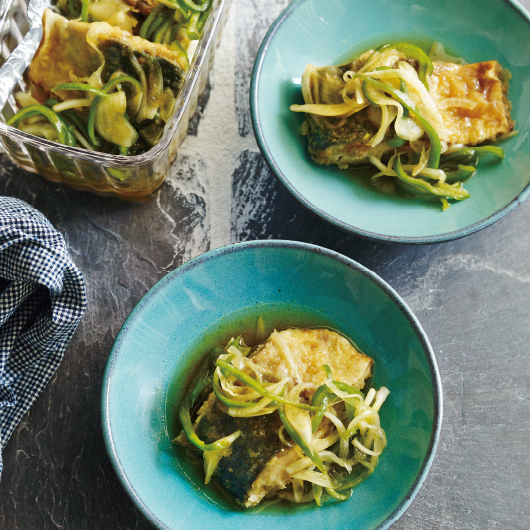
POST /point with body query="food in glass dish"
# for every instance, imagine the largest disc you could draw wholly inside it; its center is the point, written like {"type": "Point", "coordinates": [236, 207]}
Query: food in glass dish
{"type": "Point", "coordinates": [419, 121]}
{"type": "Point", "coordinates": [285, 420]}
{"type": "Point", "coordinates": [175, 23]}
{"type": "Point", "coordinates": [96, 84]}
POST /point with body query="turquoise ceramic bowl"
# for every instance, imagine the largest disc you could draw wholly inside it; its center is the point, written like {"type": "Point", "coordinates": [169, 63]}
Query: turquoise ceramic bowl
{"type": "Point", "coordinates": [213, 297]}
{"type": "Point", "coordinates": [325, 32]}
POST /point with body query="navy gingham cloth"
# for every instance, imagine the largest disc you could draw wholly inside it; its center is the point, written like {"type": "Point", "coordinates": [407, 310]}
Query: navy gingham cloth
{"type": "Point", "coordinates": [42, 299]}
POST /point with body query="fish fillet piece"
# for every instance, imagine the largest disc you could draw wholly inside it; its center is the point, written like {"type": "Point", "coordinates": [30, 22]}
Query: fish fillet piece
{"type": "Point", "coordinates": [77, 48]}
{"type": "Point", "coordinates": [255, 466]}
{"type": "Point", "coordinates": [486, 86]}
{"type": "Point", "coordinates": [344, 141]}
{"type": "Point", "coordinates": [63, 52]}
{"type": "Point", "coordinates": [308, 350]}
{"type": "Point", "coordinates": [249, 454]}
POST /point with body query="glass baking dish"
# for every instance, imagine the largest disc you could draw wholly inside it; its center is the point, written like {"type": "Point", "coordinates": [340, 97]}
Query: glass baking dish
{"type": "Point", "coordinates": [130, 177]}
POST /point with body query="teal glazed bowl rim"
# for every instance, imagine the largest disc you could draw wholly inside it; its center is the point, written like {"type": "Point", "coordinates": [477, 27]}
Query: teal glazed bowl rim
{"type": "Point", "coordinates": [162, 284]}
{"type": "Point", "coordinates": [288, 185]}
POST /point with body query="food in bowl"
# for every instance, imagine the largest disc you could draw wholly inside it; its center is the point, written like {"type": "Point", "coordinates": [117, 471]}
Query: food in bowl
{"type": "Point", "coordinates": [419, 121]}
{"type": "Point", "coordinates": [97, 85]}
{"type": "Point", "coordinates": [168, 22]}
{"type": "Point", "coordinates": [286, 419]}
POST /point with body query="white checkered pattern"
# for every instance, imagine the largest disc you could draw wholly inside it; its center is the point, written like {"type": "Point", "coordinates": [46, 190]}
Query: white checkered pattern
{"type": "Point", "coordinates": [42, 299]}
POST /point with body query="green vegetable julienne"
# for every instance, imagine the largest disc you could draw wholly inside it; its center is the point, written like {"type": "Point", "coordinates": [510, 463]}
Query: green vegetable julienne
{"type": "Point", "coordinates": [349, 482]}
{"type": "Point", "coordinates": [204, 17]}
{"type": "Point", "coordinates": [367, 90]}
{"type": "Point", "coordinates": [185, 418]}
{"type": "Point", "coordinates": [227, 401]}
{"type": "Point", "coordinates": [71, 116]}
{"type": "Point", "coordinates": [70, 138]}
{"type": "Point", "coordinates": [181, 11]}
{"type": "Point", "coordinates": [159, 34]}
{"type": "Point", "coordinates": [481, 149]}
{"type": "Point", "coordinates": [424, 61]}
{"type": "Point", "coordinates": [121, 79]}
{"type": "Point", "coordinates": [84, 10]}
{"type": "Point", "coordinates": [80, 86]}
{"type": "Point", "coordinates": [317, 493]}
{"type": "Point", "coordinates": [338, 496]}
{"type": "Point", "coordinates": [50, 115]}
{"type": "Point", "coordinates": [76, 120]}
{"type": "Point", "coordinates": [161, 26]}
{"type": "Point", "coordinates": [149, 21]}
{"type": "Point", "coordinates": [436, 146]}
{"type": "Point", "coordinates": [199, 8]}
{"type": "Point", "coordinates": [93, 106]}
{"type": "Point", "coordinates": [158, 22]}
{"type": "Point", "coordinates": [322, 397]}
{"type": "Point", "coordinates": [453, 191]}
{"type": "Point", "coordinates": [175, 46]}
{"type": "Point", "coordinates": [405, 89]}
{"type": "Point", "coordinates": [193, 29]}
{"type": "Point", "coordinates": [308, 451]}
{"type": "Point", "coordinates": [397, 141]}
{"type": "Point", "coordinates": [259, 388]}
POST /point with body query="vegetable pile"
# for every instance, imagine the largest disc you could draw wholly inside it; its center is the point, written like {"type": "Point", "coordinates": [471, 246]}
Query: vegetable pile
{"type": "Point", "coordinates": [123, 106]}
{"type": "Point", "coordinates": [394, 78]}
{"type": "Point", "coordinates": [335, 429]}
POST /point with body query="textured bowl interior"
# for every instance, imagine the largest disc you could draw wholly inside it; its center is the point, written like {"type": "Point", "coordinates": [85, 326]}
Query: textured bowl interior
{"type": "Point", "coordinates": [214, 297]}
{"type": "Point", "coordinates": [325, 32]}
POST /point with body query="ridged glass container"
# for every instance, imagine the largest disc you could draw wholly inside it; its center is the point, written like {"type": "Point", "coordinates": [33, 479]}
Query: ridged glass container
{"type": "Point", "coordinates": [130, 177]}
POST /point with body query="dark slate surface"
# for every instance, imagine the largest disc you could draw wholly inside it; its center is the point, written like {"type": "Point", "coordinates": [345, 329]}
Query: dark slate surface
{"type": "Point", "coordinates": [472, 297]}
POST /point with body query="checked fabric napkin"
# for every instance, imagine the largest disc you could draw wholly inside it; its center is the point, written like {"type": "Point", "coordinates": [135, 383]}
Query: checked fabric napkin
{"type": "Point", "coordinates": [42, 299]}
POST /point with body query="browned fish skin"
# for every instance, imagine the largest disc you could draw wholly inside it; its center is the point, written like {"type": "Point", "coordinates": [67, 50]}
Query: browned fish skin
{"type": "Point", "coordinates": [258, 443]}
{"type": "Point", "coordinates": [145, 7]}
{"type": "Point", "coordinates": [345, 140]}
{"type": "Point", "coordinates": [483, 84]}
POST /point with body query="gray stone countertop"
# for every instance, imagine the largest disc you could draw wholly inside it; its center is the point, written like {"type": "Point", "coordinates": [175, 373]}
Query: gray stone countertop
{"type": "Point", "coordinates": [472, 297]}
